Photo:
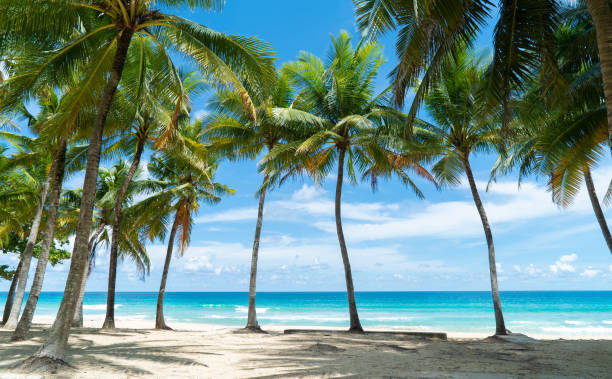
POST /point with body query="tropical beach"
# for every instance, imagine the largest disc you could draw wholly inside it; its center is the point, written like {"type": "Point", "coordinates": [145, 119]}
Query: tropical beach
{"type": "Point", "coordinates": [358, 188]}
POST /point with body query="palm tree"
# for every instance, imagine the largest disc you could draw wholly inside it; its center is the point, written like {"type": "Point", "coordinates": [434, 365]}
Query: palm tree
{"type": "Point", "coordinates": [234, 133]}
{"type": "Point", "coordinates": [158, 99]}
{"type": "Point", "coordinates": [463, 126]}
{"type": "Point", "coordinates": [131, 242]}
{"type": "Point", "coordinates": [345, 126]}
{"type": "Point", "coordinates": [105, 30]}
{"type": "Point", "coordinates": [25, 320]}
{"type": "Point", "coordinates": [185, 179]}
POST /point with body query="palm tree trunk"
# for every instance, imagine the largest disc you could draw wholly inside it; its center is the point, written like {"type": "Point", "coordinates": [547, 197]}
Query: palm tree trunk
{"type": "Point", "coordinates": [53, 350]}
{"type": "Point", "coordinates": [160, 323]}
{"type": "Point", "coordinates": [252, 315]}
{"type": "Point", "coordinates": [109, 320]}
{"type": "Point", "coordinates": [10, 295]}
{"type": "Point", "coordinates": [354, 316]}
{"type": "Point", "coordinates": [26, 256]}
{"type": "Point", "coordinates": [597, 208]}
{"type": "Point", "coordinates": [77, 319]}
{"type": "Point", "coordinates": [500, 326]}
{"type": "Point", "coordinates": [25, 322]}
{"type": "Point", "coordinates": [601, 11]}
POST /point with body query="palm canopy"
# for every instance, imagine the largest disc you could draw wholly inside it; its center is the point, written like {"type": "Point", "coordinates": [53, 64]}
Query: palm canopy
{"type": "Point", "coordinates": [183, 179]}
{"type": "Point", "coordinates": [563, 138]}
{"type": "Point", "coordinates": [463, 124]}
{"type": "Point", "coordinates": [131, 237]}
{"type": "Point", "coordinates": [345, 115]}
{"type": "Point", "coordinates": [234, 133]}
{"type": "Point", "coordinates": [431, 33]}
{"type": "Point", "coordinates": [86, 35]}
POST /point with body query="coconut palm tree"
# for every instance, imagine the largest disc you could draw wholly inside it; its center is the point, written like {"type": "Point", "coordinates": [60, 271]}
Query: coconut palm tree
{"type": "Point", "coordinates": [346, 120]}
{"type": "Point", "coordinates": [234, 133]}
{"type": "Point", "coordinates": [131, 242]}
{"type": "Point", "coordinates": [105, 31]}
{"type": "Point", "coordinates": [157, 100]}
{"type": "Point", "coordinates": [462, 126]}
{"type": "Point", "coordinates": [185, 180]}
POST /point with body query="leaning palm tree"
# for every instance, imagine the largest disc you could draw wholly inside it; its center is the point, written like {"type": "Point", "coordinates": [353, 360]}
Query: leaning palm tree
{"type": "Point", "coordinates": [131, 242]}
{"type": "Point", "coordinates": [185, 179]}
{"type": "Point", "coordinates": [344, 127]}
{"type": "Point", "coordinates": [154, 101]}
{"type": "Point", "coordinates": [463, 125]}
{"type": "Point", "coordinates": [234, 133]}
{"type": "Point", "coordinates": [94, 37]}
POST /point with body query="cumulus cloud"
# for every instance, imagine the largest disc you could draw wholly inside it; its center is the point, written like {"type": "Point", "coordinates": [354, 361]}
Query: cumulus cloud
{"type": "Point", "coordinates": [564, 264]}
{"type": "Point", "coordinates": [590, 273]}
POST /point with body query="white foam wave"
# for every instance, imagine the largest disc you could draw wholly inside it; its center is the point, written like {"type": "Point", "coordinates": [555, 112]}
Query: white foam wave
{"type": "Point", "coordinates": [98, 306]}
{"type": "Point", "coordinates": [242, 309]}
{"type": "Point", "coordinates": [211, 305]}
{"type": "Point", "coordinates": [607, 322]}
{"type": "Point", "coordinates": [596, 331]}
{"type": "Point", "coordinates": [572, 322]}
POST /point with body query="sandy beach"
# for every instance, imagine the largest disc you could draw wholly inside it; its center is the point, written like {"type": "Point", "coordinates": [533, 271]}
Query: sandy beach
{"type": "Point", "coordinates": [210, 351]}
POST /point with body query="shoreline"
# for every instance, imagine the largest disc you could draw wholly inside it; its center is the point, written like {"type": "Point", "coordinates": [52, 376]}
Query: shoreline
{"type": "Point", "coordinates": [95, 322]}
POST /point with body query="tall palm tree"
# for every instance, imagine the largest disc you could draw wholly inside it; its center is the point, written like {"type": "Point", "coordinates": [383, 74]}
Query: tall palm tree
{"type": "Point", "coordinates": [131, 242]}
{"type": "Point", "coordinates": [234, 133]}
{"type": "Point", "coordinates": [464, 126]}
{"type": "Point", "coordinates": [346, 119]}
{"type": "Point", "coordinates": [157, 100]}
{"type": "Point", "coordinates": [185, 179]}
{"type": "Point", "coordinates": [105, 30]}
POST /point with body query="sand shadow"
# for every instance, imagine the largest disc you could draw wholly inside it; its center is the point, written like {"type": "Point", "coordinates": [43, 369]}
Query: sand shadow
{"type": "Point", "coordinates": [84, 354]}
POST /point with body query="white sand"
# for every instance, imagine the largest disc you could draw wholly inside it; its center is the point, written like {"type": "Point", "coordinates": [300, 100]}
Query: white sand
{"type": "Point", "coordinates": [211, 351]}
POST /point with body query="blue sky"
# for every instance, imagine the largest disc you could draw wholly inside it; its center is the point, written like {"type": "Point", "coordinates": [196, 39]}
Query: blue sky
{"type": "Point", "coordinates": [396, 242]}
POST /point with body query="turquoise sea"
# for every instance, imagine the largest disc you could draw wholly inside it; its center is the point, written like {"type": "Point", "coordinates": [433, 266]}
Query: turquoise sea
{"type": "Point", "coordinates": [574, 314]}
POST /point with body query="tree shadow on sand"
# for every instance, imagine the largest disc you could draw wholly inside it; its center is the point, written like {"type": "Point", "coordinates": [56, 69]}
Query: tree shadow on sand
{"type": "Point", "coordinates": [83, 354]}
{"type": "Point", "coordinates": [398, 358]}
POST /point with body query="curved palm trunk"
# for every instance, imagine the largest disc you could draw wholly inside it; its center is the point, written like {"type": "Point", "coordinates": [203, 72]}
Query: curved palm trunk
{"type": "Point", "coordinates": [26, 257]}
{"type": "Point", "coordinates": [500, 326]}
{"type": "Point", "coordinates": [77, 319]}
{"type": "Point", "coordinates": [597, 208]}
{"type": "Point", "coordinates": [350, 291]}
{"type": "Point", "coordinates": [10, 295]}
{"type": "Point", "coordinates": [601, 11]}
{"type": "Point", "coordinates": [160, 323]}
{"type": "Point", "coordinates": [109, 319]}
{"type": "Point", "coordinates": [53, 350]}
{"type": "Point", "coordinates": [252, 315]}
{"type": "Point", "coordinates": [25, 322]}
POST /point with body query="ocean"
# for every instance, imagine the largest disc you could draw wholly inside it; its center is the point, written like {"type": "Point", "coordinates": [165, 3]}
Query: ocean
{"type": "Point", "coordinates": [554, 314]}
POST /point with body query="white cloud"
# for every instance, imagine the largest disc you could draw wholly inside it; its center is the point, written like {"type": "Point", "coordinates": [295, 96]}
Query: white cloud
{"type": "Point", "coordinates": [307, 193]}
{"type": "Point", "coordinates": [590, 273]}
{"type": "Point", "coordinates": [398, 276]}
{"type": "Point", "coordinates": [239, 214]}
{"type": "Point", "coordinates": [563, 264]}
